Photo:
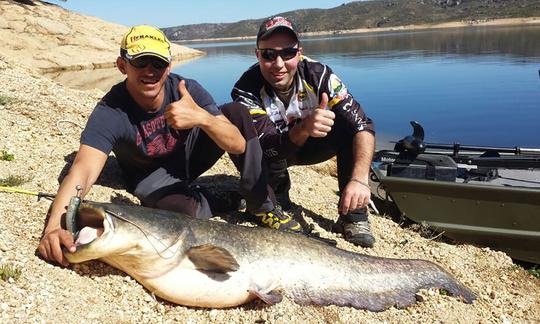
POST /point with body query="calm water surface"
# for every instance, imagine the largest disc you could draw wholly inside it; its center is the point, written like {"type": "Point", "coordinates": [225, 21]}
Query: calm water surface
{"type": "Point", "coordinates": [472, 85]}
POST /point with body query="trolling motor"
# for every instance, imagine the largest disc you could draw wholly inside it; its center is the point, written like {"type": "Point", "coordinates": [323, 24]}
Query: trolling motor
{"type": "Point", "coordinates": [414, 158]}
{"type": "Point", "coordinates": [410, 146]}
{"type": "Point", "coordinates": [412, 162]}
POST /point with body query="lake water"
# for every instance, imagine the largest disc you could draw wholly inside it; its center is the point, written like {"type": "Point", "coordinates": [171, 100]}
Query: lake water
{"type": "Point", "coordinates": [469, 85]}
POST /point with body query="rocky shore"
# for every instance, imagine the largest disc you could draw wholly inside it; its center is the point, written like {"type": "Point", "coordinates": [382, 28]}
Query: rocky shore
{"type": "Point", "coordinates": [40, 123]}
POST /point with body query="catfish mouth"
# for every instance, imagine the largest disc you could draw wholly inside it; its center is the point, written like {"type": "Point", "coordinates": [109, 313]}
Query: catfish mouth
{"type": "Point", "coordinates": [92, 223]}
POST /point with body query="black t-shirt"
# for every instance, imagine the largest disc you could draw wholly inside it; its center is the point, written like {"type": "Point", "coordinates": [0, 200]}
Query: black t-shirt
{"type": "Point", "coordinates": [141, 141]}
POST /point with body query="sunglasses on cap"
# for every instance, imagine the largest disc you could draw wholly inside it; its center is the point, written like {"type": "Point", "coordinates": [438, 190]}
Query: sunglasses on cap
{"type": "Point", "coordinates": [270, 54]}
{"type": "Point", "coordinates": [143, 61]}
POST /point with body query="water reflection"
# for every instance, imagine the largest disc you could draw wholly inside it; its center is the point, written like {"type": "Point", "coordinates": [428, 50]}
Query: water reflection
{"type": "Point", "coordinates": [102, 79]}
{"type": "Point", "coordinates": [523, 42]}
{"type": "Point", "coordinates": [473, 85]}
{"type": "Point", "coordinates": [517, 41]}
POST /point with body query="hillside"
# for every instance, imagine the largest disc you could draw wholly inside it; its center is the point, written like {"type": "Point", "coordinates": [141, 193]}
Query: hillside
{"type": "Point", "coordinates": [46, 37]}
{"type": "Point", "coordinates": [372, 15]}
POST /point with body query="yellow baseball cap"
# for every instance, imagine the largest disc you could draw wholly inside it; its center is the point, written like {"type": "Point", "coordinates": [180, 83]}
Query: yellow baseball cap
{"type": "Point", "coordinates": [145, 40]}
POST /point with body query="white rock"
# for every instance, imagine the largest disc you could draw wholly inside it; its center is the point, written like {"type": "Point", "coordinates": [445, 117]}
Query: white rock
{"type": "Point", "coordinates": [3, 23]}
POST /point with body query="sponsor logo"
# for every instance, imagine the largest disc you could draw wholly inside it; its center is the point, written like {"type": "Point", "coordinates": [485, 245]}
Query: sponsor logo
{"type": "Point", "coordinates": [277, 21]}
{"type": "Point", "coordinates": [135, 38]}
{"type": "Point", "coordinates": [302, 95]}
{"type": "Point", "coordinates": [337, 88]}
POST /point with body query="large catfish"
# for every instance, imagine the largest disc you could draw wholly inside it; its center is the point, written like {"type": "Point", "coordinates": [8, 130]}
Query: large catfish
{"type": "Point", "coordinates": [214, 264]}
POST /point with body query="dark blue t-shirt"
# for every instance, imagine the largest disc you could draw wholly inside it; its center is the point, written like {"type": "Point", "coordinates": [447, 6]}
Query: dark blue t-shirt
{"type": "Point", "coordinates": [141, 141]}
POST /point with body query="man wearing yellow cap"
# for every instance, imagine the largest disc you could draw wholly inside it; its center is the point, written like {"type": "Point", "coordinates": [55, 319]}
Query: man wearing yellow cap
{"type": "Point", "coordinates": [165, 131]}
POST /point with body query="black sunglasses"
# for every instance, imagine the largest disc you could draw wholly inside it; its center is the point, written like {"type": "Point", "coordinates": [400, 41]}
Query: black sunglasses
{"type": "Point", "coordinates": [143, 61]}
{"type": "Point", "coordinates": [270, 54]}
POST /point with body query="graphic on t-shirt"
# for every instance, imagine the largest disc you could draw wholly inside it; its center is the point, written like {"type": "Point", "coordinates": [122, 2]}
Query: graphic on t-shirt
{"type": "Point", "coordinates": [155, 138]}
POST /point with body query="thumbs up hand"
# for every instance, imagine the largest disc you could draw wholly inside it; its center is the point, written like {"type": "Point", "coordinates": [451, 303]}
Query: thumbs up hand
{"type": "Point", "coordinates": [321, 120]}
{"type": "Point", "coordinates": [184, 113]}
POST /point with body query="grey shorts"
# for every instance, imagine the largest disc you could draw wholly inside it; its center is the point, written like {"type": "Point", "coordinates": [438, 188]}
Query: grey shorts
{"type": "Point", "coordinates": [160, 184]}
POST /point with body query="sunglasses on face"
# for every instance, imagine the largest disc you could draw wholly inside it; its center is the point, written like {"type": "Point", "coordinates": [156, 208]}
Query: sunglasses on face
{"type": "Point", "coordinates": [270, 54]}
{"type": "Point", "coordinates": [142, 62]}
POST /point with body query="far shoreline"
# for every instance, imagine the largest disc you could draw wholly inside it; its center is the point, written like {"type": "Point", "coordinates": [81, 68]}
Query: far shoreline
{"type": "Point", "coordinates": [453, 24]}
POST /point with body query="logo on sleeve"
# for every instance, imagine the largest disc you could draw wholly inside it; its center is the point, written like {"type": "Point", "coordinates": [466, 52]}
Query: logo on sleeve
{"type": "Point", "coordinates": [338, 91]}
{"type": "Point", "coordinates": [302, 95]}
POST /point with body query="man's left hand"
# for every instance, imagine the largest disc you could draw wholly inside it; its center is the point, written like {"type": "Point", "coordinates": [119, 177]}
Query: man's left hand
{"type": "Point", "coordinates": [184, 113]}
{"type": "Point", "coordinates": [354, 196]}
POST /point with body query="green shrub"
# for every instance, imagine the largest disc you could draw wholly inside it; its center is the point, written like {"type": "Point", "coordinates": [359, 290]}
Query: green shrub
{"type": "Point", "coordinates": [9, 271]}
{"type": "Point", "coordinates": [534, 271]}
{"type": "Point", "coordinates": [14, 181]}
{"type": "Point", "coordinates": [6, 156]}
{"type": "Point", "coordinates": [5, 100]}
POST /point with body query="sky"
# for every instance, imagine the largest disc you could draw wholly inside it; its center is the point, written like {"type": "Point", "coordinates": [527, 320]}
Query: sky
{"type": "Point", "coordinates": [169, 13]}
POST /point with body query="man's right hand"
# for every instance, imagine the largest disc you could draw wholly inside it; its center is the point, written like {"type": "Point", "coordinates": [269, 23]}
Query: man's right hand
{"type": "Point", "coordinates": [321, 120]}
{"type": "Point", "coordinates": [51, 244]}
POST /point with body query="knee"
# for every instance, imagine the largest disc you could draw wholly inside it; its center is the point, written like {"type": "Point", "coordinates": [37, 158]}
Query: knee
{"type": "Point", "coordinates": [236, 113]}
{"type": "Point", "coordinates": [178, 203]}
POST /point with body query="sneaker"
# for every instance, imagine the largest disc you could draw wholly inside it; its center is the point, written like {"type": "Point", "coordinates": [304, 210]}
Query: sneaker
{"type": "Point", "coordinates": [358, 233]}
{"type": "Point", "coordinates": [276, 219]}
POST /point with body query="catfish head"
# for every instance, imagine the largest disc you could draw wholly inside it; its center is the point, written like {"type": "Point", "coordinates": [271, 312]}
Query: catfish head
{"type": "Point", "coordinates": [143, 242]}
{"type": "Point", "coordinates": [100, 234]}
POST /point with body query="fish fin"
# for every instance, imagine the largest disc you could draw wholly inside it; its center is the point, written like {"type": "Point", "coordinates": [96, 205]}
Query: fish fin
{"type": "Point", "coordinates": [270, 297]}
{"type": "Point", "coordinates": [422, 275]}
{"type": "Point", "coordinates": [209, 257]}
{"type": "Point", "coordinates": [458, 290]}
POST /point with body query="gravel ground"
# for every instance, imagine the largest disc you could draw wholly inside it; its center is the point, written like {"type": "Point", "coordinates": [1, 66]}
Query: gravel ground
{"type": "Point", "coordinates": [40, 123]}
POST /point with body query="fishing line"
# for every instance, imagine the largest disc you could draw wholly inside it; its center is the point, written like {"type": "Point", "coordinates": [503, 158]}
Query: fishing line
{"type": "Point", "coordinates": [147, 234]}
{"type": "Point", "coordinates": [66, 121]}
{"type": "Point", "coordinates": [26, 192]}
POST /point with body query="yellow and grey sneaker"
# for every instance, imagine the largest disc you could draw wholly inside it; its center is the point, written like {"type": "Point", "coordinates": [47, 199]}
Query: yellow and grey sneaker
{"type": "Point", "coordinates": [357, 232]}
{"type": "Point", "coordinates": [276, 219]}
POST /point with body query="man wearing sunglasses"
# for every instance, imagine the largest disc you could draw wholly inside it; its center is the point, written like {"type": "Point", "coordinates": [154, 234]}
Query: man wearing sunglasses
{"type": "Point", "coordinates": [304, 115]}
{"type": "Point", "coordinates": [165, 132]}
